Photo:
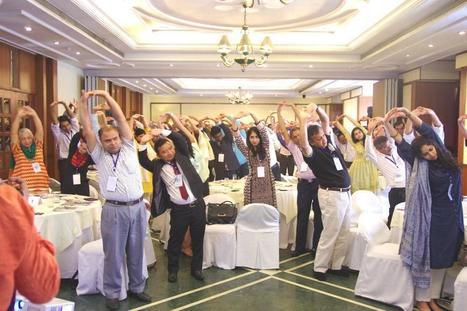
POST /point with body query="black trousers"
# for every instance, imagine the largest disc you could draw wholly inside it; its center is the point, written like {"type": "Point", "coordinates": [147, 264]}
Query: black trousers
{"type": "Point", "coordinates": [287, 164]}
{"type": "Point", "coordinates": [307, 197]}
{"type": "Point", "coordinates": [276, 172]}
{"type": "Point", "coordinates": [395, 196]}
{"type": "Point", "coordinates": [243, 170]}
{"type": "Point", "coordinates": [62, 171]}
{"type": "Point", "coordinates": [182, 217]}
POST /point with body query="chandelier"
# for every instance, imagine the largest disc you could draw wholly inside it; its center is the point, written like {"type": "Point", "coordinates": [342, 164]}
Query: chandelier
{"type": "Point", "coordinates": [239, 97]}
{"type": "Point", "coordinates": [244, 47]}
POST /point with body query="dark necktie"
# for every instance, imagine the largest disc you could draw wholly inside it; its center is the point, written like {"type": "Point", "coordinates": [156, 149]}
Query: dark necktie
{"type": "Point", "coordinates": [182, 188]}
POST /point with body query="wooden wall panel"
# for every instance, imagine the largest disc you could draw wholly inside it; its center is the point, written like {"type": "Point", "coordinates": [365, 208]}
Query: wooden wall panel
{"type": "Point", "coordinates": [335, 110]}
{"type": "Point", "coordinates": [378, 99]}
{"type": "Point", "coordinates": [442, 97]}
{"type": "Point", "coordinates": [27, 81]}
{"type": "Point", "coordinates": [5, 71]}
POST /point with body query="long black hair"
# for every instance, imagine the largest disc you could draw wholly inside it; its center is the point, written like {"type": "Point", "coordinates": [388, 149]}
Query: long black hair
{"type": "Point", "coordinates": [444, 156]}
{"type": "Point", "coordinates": [258, 150]}
{"type": "Point", "coordinates": [353, 135]}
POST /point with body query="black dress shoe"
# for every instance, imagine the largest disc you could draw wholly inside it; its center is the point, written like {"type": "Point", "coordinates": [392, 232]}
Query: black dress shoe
{"type": "Point", "coordinates": [296, 253]}
{"type": "Point", "coordinates": [172, 277]}
{"type": "Point", "coordinates": [319, 276]}
{"type": "Point", "coordinates": [140, 296]}
{"type": "Point", "coordinates": [112, 304]}
{"type": "Point", "coordinates": [198, 275]}
{"type": "Point", "coordinates": [342, 272]}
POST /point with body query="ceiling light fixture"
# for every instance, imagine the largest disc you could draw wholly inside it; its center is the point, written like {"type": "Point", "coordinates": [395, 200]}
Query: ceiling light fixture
{"type": "Point", "coordinates": [431, 45]}
{"type": "Point", "coordinates": [407, 55]}
{"type": "Point", "coordinates": [27, 28]}
{"type": "Point", "coordinates": [171, 65]}
{"type": "Point", "coordinates": [244, 47]}
{"type": "Point", "coordinates": [78, 53]}
{"type": "Point", "coordinates": [251, 3]}
{"type": "Point", "coordinates": [239, 97]}
{"type": "Point", "coordinates": [461, 33]}
{"type": "Point", "coordinates": [57, 42]}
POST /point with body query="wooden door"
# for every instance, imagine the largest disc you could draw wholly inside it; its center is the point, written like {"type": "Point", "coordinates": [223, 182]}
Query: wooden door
{"type": "Point", "coordinates": [10, 102]}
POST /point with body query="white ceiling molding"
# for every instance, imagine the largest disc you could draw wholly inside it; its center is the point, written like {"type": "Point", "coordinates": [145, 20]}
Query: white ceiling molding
{"type": "Point", "coordinates": [39, 44]}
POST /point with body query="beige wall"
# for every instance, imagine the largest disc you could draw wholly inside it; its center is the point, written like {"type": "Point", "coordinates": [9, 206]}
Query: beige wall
{"type": "Point", "coordinates": [350, 109]}
{"type": "Point", "coordinates": [69, 81]}
{"type": "Point", "coordinates": [461, 61]}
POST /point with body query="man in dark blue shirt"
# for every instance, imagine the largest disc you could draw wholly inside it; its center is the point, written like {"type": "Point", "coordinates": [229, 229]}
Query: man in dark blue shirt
{"type": "Point", "coordinates": [328, 165]}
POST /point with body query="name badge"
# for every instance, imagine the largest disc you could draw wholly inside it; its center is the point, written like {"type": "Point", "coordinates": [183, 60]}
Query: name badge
{"type": "Point", "coordinates": [303, 167]}
{"type": "Point", "coordinates": [337, 164]}
{"type": "Point", "coordinates": [220, 157]}
{"type": "Point", "coordinates": [112, 183]}
{"type": "Point", "coordinates": [178, 180]}
{"type": "Point", "coordinates": [260, 171]}
{"type": "Point", "coordinates": [76, 179]}
{"type": "Point", "coordinates": [36, 167]}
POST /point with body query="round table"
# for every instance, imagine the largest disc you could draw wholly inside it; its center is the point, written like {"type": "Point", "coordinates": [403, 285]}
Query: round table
{"type": "Point", "coordinates": [68, 221]}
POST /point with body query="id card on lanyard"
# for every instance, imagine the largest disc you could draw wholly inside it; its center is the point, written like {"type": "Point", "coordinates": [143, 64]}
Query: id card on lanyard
{"type": "Point", "coordinates": [112, 181]}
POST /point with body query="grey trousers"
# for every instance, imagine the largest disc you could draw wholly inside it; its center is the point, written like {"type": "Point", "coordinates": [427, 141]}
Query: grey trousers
{"type": "Point", "coordinates": [123, 231]}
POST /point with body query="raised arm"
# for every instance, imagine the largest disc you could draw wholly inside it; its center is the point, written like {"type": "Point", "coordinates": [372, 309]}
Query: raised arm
{"type": "Point", "coordinates": [117, 114]}
{"type": "Point", "coordinates": [281, 124]}
{"type": "Point", "coordinates": [392, 114]}
{"type": "Point", "coordinates": [181, 127]}
{"type": "Point", "coordinates": [357, 124]}
{"type": "Point", "coordinates": [304, 144]}
{"type": "Point", "coordinates": [39, 134]}
{"type": "Point", "coordinates": [85, 120]}
{"type": "Point", "coordinates": [461, 123]}
{"type": "Point", "coordinates": [54, 112]}
{"type": "Point", "coordinates": [15, 125]}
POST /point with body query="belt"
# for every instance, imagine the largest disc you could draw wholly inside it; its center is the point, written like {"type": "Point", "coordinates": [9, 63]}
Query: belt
{"type": "Point", "coordinates": [192, 204]}
{"type": "Point", "coordinates": [124, 203]}
{"type": "Point", "coordinates": [336, 188]}
{"type": "Point", "coordinates": [306, 180]}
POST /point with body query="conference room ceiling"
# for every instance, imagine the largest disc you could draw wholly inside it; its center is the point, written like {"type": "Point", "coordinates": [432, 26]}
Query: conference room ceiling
{"type": "Point", "coordinates": [165, 41]}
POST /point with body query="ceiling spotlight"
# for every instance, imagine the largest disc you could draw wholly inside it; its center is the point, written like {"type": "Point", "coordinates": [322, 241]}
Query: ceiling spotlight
{"type": "Point", "coordinates": [201, 95]}
{"type": "Point", "coordinates": [27, 28]}
{"type": "Point", "coordinates": [151, 88]}
{"type": "Point", "coordinates": [407, 55]}
{"type": "Point", "coordinates": [310, 66]}
{"type": "Point", "coordinates": [136, 81]}
{"type": "Point", "coordinates": [431, 45]}
{"type": "Point", "coordinates": [461, 33]}
{"type": "Point", "coordinates": [78, 52]}
{"type": "Point", "coordinates": [57, 42]}
{"type": "Point", "coordinates": [218, 65]}
{"type": "Point", "coordinates": [144, 85]}
{"type": "Point", "coordinates": [171, 65]}
{"type": "Point", "coordinates": [157, 91]}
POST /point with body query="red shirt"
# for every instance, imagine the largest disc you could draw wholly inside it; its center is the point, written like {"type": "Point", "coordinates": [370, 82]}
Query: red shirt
{"type": "Point", "coordinates": [27, 262]}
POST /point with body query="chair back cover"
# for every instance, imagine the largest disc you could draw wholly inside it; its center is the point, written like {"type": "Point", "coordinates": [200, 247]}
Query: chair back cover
{"type": "Point", "coordinates": [258, 217]}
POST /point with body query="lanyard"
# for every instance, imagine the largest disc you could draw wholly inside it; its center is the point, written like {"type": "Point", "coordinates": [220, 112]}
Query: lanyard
{"type": "Point", "coordinates": [392, 160]}
{"type": "Point", "coordinates": [115, 160]}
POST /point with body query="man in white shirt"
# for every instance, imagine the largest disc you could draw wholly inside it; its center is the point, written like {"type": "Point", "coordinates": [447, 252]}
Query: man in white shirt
{"type": "Point", "coordinates": [63, 128]}
{"type": "Point", "coordinates": [390, 164]}
{"type": "Point", "coordinates": [347, 150]}
{"type": "Point", "coordinates": [123, 221]}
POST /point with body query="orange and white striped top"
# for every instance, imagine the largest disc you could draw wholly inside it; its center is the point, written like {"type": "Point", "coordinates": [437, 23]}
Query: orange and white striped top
{"type": "Point", "coordinates": [38, 181]}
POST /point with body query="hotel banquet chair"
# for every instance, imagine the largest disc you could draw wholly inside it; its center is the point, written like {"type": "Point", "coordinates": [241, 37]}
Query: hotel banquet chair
{"type": "Point", "coordinates": [54, 185]}
{"type": "Point", "coordinates": [91, 267]}
{"type": "Point", "coordinates": [396, 224]}
{"type": "Point", "coordinates": [220, 241]}
{"type": "Point", "coordinates": [460, 291]}
{"type": "Point", "coordinates": [371, 231]}
{"type": "Point", "coordinates": [384, 278]}
{"type": "Point", "coordinates": [258, 237]}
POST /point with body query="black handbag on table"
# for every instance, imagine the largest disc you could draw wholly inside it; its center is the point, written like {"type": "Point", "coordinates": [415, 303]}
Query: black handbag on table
{"type": "Point", "coordinates": [222, 213]}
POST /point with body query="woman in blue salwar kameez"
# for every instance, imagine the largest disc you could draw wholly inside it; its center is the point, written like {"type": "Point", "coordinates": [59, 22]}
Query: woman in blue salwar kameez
{"type": "Point", "coordinates": [431, 236]}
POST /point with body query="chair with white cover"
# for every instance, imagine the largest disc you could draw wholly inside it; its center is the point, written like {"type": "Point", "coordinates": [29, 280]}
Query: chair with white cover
{"type": "Point", "coordinates": [460, 291]}
{"type": "Point", "coordinates": [258, 236]}
{"type": "Point", "coordinates": [371, 231]}
{"type": "Point", "coordinates": [397, 223]}
{"type": "Point", "coordinates": [93, 193]}
{"type": "Point", "coordinates": [383, 277]}
{"type": "Point", "coordinates": [364, 201]}
{"type": "Point", "coordinates": [54, 185]}
{"type": "Point", "coordinates": [91, 270]}
{"type": "Point", "coordinates": [220, 241]}
{"type": "Point", "coordinates": [148, 246]}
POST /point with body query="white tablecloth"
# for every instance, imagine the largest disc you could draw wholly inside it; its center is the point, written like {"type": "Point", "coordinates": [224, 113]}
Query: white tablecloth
{"type": "Point", "coordinates": [68, 221]}
{"type": "Point", "coordinates": [286, 195]}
